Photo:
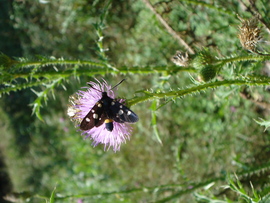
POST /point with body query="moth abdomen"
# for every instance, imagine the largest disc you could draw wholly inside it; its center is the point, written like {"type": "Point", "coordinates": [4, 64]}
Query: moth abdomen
{"type": "Point", "coordinates": [109, 124]}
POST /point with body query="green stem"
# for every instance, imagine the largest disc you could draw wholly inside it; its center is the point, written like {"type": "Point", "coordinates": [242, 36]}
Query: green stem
{"type": "Point", "coordinates": [245, 58]}
{"type": "Point", "coordinates": [199, 88]}
{"type": "Point", "coordinates": [253, 170]}
{"type": "Point", "coordinates": [102, 71]}
{"type": "Point", "coordinates": [23, 86]}
{"type": "Point", "coordinates": [147, 189]}
{"type": "Point", "coordinates": [61, 62]}
{"type": "Point", "coordinates": [139, 69]}
{"type": "Point", "coordinates": [182, 188]}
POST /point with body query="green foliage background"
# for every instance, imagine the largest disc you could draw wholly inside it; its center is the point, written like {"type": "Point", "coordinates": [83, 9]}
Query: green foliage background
{"type": "Point", "coordinates": [207, 135]}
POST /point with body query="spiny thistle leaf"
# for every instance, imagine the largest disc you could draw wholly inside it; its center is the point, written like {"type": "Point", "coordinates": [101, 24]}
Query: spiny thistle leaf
{"type": "Point", "coordinates": [203, 198]}
{"type": "Point", "coordinates": [43, 97]}
{"type": "Point", "coordinates": [265, 123]}
{"type": "Point", "coordinates": [6, 61]}
{"type": "Point", "coordinates": [52, 198]}
{"type": "Point", "coordinates": [154, 120]}
{"type": "Point", "coordinates": [265, 199]}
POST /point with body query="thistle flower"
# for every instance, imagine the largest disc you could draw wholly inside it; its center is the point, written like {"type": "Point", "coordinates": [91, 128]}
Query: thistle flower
{"type": "Point", "coordinates": [181, 59]}
{"type": "Point", "coordinates": [249, 33]}
{"type": "Point", "coordinates": [79, 109]}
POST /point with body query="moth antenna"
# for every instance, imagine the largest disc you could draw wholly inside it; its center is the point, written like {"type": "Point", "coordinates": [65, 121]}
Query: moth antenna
{"type": "Point", "coordinates": [110, 89]}
{"type": "Point", "coordinates": [93, 87]}
{"type": "Point", "coordinates": [118, 84]}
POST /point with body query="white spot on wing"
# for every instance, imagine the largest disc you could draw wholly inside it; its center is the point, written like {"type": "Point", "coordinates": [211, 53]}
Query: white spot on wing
{"type": "Point", "coordinates": [120, 112]}
{"type": "Point", "coordinates": [95, 116]}
{"type": "Point", "coordinates": [87, 119]}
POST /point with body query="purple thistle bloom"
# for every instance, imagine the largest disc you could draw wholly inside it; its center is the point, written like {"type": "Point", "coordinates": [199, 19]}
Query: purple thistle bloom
{"type": "Point", "coordinates": [80, 105]}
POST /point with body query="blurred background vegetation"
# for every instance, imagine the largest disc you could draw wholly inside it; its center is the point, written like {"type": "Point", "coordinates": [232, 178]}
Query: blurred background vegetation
{"type": "Point", "coordinates": [206, 137]}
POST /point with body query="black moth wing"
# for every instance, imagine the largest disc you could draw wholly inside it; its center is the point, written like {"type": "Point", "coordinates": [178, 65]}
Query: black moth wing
{"type": "Point", "coordinates": [94, 118]}
{"type": "Point", "coordinates": [121, 113]}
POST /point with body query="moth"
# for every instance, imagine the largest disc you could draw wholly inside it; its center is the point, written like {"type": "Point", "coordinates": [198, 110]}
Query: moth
{"type": "Point", "coordinates": [108, 110]}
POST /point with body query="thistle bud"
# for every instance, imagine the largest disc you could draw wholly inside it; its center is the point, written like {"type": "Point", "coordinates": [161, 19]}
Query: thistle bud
{"type": "Point", "coordinates": [208, 72]}
{"type": "Point", "coordinates": [202, 59]}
